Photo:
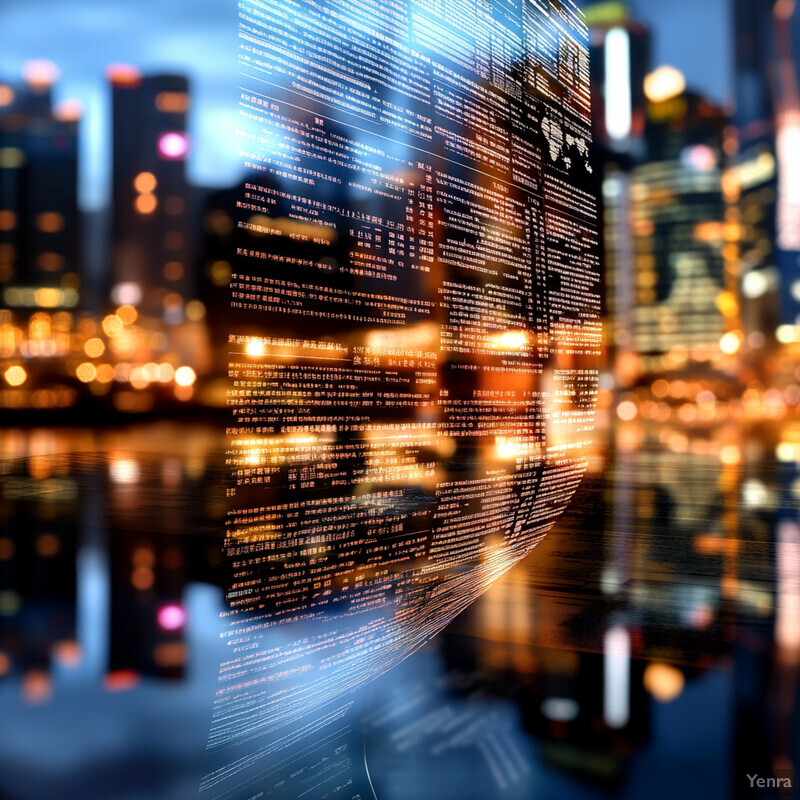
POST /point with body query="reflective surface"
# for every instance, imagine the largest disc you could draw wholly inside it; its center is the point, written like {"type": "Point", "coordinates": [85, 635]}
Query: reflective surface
{"type": "Point", "coordinates": [649, 644]}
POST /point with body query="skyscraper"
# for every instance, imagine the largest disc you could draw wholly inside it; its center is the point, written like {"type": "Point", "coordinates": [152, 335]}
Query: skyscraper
{"type": "Point", "coordinates": [678, 233]}
{"type": "Point", "coordinates": [150, 249]}
{"type": "Point", "coordinates": [764, 173]}
{"type": "Point", "coordinates": [39, 216]}
{"type": "Point", "coordinates": [619, 60]}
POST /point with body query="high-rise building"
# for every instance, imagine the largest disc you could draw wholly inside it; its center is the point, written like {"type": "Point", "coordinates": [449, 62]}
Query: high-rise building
{"type": "Point", "coordinates": [679, 235]}
{"type": "Point", "coordinates": [619, 49]}
{"type": "Point", "coordinates": [150, 235]}
{"type": "Point", "coordinates": [619, 61]}
{"type": "Point", "coordinates": [39, 215]}
{"type": "Point", "coordinates": [763, 177]}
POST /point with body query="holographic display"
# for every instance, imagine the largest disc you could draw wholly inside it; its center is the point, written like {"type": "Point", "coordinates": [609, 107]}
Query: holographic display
{"type": "Point", "coordinates": [414, 344]}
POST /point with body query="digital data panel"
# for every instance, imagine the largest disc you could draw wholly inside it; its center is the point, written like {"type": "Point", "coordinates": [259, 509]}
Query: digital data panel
{"type": "Point", "coordinates": [414, 347]}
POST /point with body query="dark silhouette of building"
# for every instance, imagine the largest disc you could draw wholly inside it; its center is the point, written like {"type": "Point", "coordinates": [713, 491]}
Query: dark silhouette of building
{"type": "Point", "coordinates": [150, 230]}
{"type": "Point", "coordinates": [765, 166]}
{"type": "Point", "coordinates": [39, 216]}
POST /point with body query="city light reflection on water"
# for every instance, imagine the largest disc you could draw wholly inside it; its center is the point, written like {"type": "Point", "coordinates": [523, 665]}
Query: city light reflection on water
{"type": "Point", "coordinates": [651, 640]}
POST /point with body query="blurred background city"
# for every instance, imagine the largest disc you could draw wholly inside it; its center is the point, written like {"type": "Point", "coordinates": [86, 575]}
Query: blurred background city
{"type": "Point", "coordinates": [650, 645]}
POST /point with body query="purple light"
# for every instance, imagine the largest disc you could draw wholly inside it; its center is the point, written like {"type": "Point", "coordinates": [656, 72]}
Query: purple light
{"type": "Point", "coordinates": [173, 146]}
{"type": "Point", "coordinates": [171, 617]}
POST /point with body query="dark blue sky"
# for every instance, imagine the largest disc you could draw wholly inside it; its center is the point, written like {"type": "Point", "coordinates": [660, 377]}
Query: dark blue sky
{"type": "Point", "coordinates": [199, 37]}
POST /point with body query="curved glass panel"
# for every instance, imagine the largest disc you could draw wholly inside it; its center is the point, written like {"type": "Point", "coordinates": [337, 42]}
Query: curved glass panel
{"type": "Point", "coordinates": [414, 334]}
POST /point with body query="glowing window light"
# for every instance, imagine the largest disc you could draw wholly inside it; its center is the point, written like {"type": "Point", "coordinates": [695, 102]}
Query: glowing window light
{"type": "Point", "coordinates": [128, 314]}
{"type": "Point", "coordinates": [7, 96]}
{"type": "Point", "coordinates": [12, 158]}
{"type": "Point", "coordinates": [126, 294]}
{"type": "Point", "coordinates": [145, 182]}
{"type": "Point", "coordinates": [112, 325]}
{"type": "Point", "coordinates": [123, 76]}
{"type": "Point", "coordinates": [40, 74]}
{"type": "Point", "coordinates": [627, 410]}
{"type": "Point", "coordinates": [50, 222]}
{"type": "Point", "coordinates": [185, 376]}
{"type": "Point", "coordinates": [663, 84]}
{"type": "Point", "coordinates": [730, 343]}
{"type": "Point", "coordinates": [172, 102]}
{"type": "Point", "coordinates": [48, 297]}
{"type": "Point", "coordinates": [173, 145]}
{"type": "Point", "coordinates": [146, 204]}
{"type": "Point", "coordinates": [124, 470]}
{"type": "Point", "coordinates": [86, 372]}
{"type": "Point", "coordinates": [105, 373]}
{"type": "Point", "coordinates": [173, 270]}
{"type": "Point", "coordinates": [616, 677]}
{"type": "Point", "coordinates": [8, 219]}
{"type": "Point", "coordinates": [663, 681]}
{"type": "Point", "coordinates": [788, 147]}
{"type": "Point", "coordinates": [195, 311]}
{"type": "Point", "coordinates": [68, 110]}
{"type": "Point", "coordinates": [139, 378]}
{"type": "Point", "coordinates": [94, 348]}
{"type": "Point", "coordinates": [15, 376]}
{"type": "Point", "coordinates": [171, 617]}
{"type": "Point", "coordinates": [619, 112]}
{"type": "Point", "coordinates": [730, 455]}
{"type": "Point", "coordinates": [699, 158]}
{"type": "Point", "coordinates": [560, 709]}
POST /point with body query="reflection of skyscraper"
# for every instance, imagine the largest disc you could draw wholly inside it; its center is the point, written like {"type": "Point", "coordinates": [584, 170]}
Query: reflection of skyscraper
{"type": "Point", "coordinates": [39, 217]}
{"type": "Point", "coordinates": [150, 235]}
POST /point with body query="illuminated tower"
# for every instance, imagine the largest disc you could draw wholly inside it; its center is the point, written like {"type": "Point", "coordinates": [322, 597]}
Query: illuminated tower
{"type": "Point", "coordinates": [150, 250]}
{"type": "Point", "coordinates": [678, 234]}
{"type": "Point", "coordinates": [763, 176]}
{"type": "Point", "coordinates": [619, 60]}
{"type": "Point", "coordinates": [39, 215]}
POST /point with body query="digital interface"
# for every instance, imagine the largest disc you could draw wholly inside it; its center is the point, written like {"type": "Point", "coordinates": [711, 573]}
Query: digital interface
{"type": "Point", "coordinates": [415, 332]}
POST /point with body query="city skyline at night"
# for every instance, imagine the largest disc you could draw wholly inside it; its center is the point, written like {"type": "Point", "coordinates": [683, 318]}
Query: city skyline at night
{"type": "Point", "coordinates": [186, 37]}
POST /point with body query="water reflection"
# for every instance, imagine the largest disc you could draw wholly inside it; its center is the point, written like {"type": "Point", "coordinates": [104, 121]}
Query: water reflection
{"type": "Point", "coordinates": [651, 640]}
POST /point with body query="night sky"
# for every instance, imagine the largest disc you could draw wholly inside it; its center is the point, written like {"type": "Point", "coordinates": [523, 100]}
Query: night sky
{"type": "Point", "coordinates": [199, 37]}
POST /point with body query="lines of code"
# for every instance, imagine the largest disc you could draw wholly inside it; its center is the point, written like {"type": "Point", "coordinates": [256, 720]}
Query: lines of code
{"type": "Point", "coordinates": [413, 358]}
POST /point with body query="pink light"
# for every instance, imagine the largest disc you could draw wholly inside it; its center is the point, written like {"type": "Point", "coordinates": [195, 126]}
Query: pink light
{"type": "Point", "coordinates": [700, 157]}
{"type": "Point", "coordinates": [173, 146]}
{"type": "Point", "coordinates": [171, 617]}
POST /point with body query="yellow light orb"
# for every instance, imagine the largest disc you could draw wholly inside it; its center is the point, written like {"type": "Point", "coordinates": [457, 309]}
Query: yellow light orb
{"type": "Point", "coordinates": [128, 314]}
{"type": "Point", "coordinates": [663, 681]}
{"type": "Point", "coordinates": [105, 373]}
{"type": "Point", "coordinates": [663, 84]}
{"type": "Point", "coordinates": [730, 343]}
{"type": "Point", "coordinates": [16, 375]}
{"type": "Point", "coordinates": [185, 376]}
{"type": "Point", "coordinates": [94, 348]}
{"type": "Point", "coordinates": [195, 311]}
{"type": "Point", "coordinates": [112, 326]}
{"type": "Point", "coordinates": [86, 372]}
